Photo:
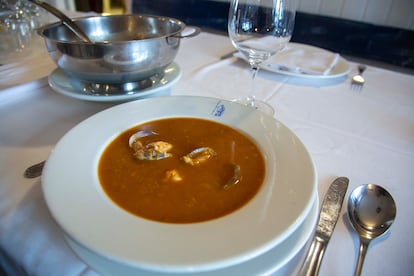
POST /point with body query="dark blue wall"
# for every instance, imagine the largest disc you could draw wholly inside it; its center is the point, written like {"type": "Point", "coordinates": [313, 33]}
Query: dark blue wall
{"type": "Point", "coordinates": [390, 45]}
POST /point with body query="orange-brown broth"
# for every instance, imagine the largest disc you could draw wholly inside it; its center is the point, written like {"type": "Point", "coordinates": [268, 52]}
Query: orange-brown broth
{"type": "Point", "coordinates": [140, 186]}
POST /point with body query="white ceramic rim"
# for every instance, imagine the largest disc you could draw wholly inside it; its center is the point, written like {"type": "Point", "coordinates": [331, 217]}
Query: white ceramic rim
{"type": "Point", "coordinates": [80, 206]}
{"type": "Point", "coordinates": [264, 264]}
{"type": "Point", "coordinates": [61, 83]}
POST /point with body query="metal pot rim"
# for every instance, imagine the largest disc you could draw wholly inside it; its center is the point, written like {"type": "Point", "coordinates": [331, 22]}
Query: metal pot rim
{"type": "Point", "coordinates": [41, 31]}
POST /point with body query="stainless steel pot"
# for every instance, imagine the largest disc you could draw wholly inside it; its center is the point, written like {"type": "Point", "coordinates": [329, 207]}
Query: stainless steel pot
{"type": "Point", "coordinates": [125, 48]}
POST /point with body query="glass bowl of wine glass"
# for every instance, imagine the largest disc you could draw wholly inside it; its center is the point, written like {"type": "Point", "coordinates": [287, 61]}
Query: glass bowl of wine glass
{"type": "Point", "coordinates": [259, 29]}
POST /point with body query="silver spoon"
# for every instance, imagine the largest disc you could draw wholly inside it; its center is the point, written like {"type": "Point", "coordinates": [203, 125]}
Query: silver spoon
{"type": "Point", "coordinates": [66, 20]}
{"type": "Point", "coordinates": [371, 210]}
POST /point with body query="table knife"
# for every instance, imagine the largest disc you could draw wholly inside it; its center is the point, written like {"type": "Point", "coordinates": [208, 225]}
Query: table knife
{"type": "Point", "coordinates": [294, 70]}
{"type": "Point", "coordinates": [328, 216]}
{"type": "Point", "coordinates": [278, 67]}
{"type": "Point", "coordinates": [228, 55]}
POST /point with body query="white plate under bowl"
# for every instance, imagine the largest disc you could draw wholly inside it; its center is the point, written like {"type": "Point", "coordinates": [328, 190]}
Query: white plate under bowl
{"type": "Point", "coordinates": [340, 69]}
{"type": "Point", "coordinates": [60, 82]}
{"type": "Point", "coordinates": [79, 204]}
{"type": "Point", "coordinates": [264, 264]}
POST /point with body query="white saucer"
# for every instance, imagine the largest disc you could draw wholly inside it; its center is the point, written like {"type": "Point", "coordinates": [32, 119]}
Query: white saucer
{"type": "Point", "coordinates": [60, 82]}
{"type": "Point", "coordinates": [265, 264]}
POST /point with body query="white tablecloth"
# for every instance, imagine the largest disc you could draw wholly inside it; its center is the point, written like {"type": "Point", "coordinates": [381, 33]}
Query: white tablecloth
{"type": "Point", "coordinates": [367, 136]}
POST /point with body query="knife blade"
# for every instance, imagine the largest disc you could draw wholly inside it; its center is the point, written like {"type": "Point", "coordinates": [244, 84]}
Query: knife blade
{"type": "Point", "coordinates": [294, 70]}
{"type": "Point", "coordinates": [274, 66]}
{"type": "Point", "coordinates": [328, 216]}
{"type": "Point", "coordinates": [228, 55]}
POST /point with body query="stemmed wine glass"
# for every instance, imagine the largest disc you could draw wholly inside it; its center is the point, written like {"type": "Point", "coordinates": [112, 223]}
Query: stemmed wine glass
{"type": "Point", "coordinates": [259, 29]}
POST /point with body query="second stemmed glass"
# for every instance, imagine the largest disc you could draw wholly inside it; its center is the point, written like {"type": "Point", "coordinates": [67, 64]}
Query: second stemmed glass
{"type": "Point", "coordinates": [259, 29]}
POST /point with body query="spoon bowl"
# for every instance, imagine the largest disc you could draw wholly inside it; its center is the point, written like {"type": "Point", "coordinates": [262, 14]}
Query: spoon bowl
{"type": "Point", "coordinates": [371, 210]}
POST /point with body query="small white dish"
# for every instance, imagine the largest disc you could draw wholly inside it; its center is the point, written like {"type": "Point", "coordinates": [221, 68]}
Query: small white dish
{"type": "Point", "coordinates": [60, 82]}
{"type": "Point", "coordinates": [304, 61]}
{"type": "Point", "coordinates": [265, 264]}
{"type": "Point", "coordinates": [80, 206]}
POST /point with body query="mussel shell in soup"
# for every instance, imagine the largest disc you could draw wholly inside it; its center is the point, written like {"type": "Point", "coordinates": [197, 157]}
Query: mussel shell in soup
{"type": "Point", "coordinates": [181, 170]}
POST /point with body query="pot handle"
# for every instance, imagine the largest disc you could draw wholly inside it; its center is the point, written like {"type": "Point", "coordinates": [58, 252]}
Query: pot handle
{"type": "Point", "coordinates": [194, 32]}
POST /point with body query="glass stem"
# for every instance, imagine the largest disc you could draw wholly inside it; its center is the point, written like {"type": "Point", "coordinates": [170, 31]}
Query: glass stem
{"type": "Point", "coordinates": [251, 99]}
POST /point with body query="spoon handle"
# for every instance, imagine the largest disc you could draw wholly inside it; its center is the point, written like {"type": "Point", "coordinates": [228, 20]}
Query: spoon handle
{"type": "Point", "coordinates": [363, 248]}
{"type": "Point", "coordinates": [66, 20]}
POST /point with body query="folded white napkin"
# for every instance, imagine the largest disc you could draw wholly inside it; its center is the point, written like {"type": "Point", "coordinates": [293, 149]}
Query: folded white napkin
{"type": "Point", "coordinates": [308, 59]}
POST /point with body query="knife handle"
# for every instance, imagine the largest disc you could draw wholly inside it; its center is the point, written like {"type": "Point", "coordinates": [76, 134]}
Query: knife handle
{"type": "Point", "coordinates": [310, 266]}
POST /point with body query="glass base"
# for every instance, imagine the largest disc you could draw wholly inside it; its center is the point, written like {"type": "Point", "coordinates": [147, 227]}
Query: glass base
{"type": "Point", "coordinates": [258, 105]}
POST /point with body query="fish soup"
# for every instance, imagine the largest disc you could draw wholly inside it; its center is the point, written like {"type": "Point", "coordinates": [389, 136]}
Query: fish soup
{"type": "Point", "coordinates": [181, 170]}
